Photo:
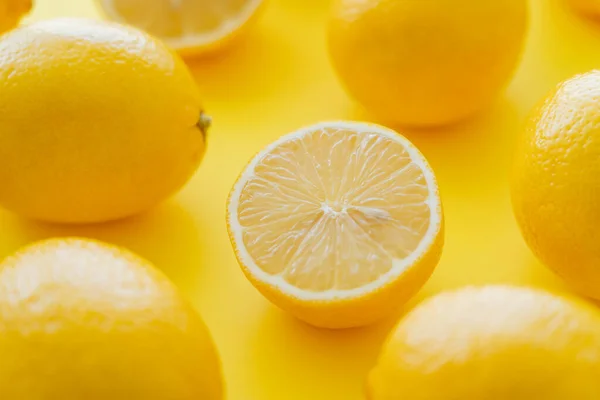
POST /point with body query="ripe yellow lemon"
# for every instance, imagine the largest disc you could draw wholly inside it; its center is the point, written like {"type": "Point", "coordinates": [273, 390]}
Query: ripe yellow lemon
{"type": "Point", "coordinates": [556, 182]}
{"type": "Point", "coordinates": [339, 223]}
{"type": "Point", "coordinates": [83, 320]}
{"type": "Point", "coordinates": [189, 26]}
{"type": "Point", "coordinates": [492, 343]}
{"type": "Point", "coordinates": [426, 62]}
{"type": "Point", "coordinates": [11, 12]}
{"type": "Point", "coordinates": [98, 121]}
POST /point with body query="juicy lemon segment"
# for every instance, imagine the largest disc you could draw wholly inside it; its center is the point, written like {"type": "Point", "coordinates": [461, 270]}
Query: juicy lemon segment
{"type": "Point", "coordinates": [333, 213]}
{"type": "Point", "coordinates": [186, 25]}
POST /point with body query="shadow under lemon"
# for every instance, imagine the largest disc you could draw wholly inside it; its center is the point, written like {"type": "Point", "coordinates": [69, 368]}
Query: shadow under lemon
{"type": "Point", "coordinates": [561, 43]}
{"type": "Point", "coordinates": [166, 236]}
{"type": "Point", "coordinates": [243, 72]}
{"type": "Point", "coordinates": [308, 362]}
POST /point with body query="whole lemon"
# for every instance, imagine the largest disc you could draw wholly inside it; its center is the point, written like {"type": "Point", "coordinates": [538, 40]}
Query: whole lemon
{"type": "Point", "coordinates": [556, 182]}
{"type": "Point", "coordinates": [98, 121]}
{"type": "Point", "coordinates": [83, 320]}
{"type": "Point", "coordinates": [11, 12]}
{"type": "Point", "coordinates": [492, 343]}
{"type": "Point", "coordinates": [426, 62]}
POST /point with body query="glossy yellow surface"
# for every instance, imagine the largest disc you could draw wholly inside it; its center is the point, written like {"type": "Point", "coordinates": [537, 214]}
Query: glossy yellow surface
{"type": "Point", "coordinates": [11, 12]}
{"type": "Point", "coordinates": [81, 319]}
{"type": "Point", "coordinates": [143, 120]}
{"type": "Point", "coordinates": [271, 83]}
{"type": "Point", "coordinates": [426, 63]}
{"type": "Point", "coordinates": [555, 182]}
{"type": "Point", "coordinates": [494, 342]}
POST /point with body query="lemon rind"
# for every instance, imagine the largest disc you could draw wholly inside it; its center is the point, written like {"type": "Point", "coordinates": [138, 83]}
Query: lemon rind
{"type": "Point", "coordinates": [195, 40]}
{"type": "Point", "coordinates": [399, 266]}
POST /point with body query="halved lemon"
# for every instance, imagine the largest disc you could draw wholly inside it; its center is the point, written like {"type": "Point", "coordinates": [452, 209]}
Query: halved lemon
{"type": "Point", "coordinates": [188, 26]}
{"type": "Point", "coordinates": [339, 223]}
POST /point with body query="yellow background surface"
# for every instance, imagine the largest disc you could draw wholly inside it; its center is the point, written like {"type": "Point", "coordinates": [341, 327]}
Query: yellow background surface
{"type": "Point", "coordinates": [274, 81]}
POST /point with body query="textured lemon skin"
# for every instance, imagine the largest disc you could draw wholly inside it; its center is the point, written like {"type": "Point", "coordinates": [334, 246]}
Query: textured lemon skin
{"type": "Point", "coordinates": [11, 12]}
{"type": "Point", "coordinates": [97, 121]}
{"type": "Point", "coordinates": [426, 62]}
{"type": "Point", "coordinates": [556, 182]}
{"type": "Point", "coordinates": [492, 343]}
{"type": "Point", "coordinates": [83, 320]}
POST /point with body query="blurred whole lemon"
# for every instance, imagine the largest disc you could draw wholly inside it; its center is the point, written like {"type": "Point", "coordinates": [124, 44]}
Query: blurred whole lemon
{"type": "Point", "coordinates": [11, 12]}
{"type": "Point", "coordinates": [556, 182]}
{"type": "Point", "coordinates": [426, 62]}
{"type": "Point", "coordinates": [83, 320]}
{"type": "Point", "coordinates": [492, 343]}
{"type": "Point", "coordinates": [98, 121]}
{"type": "Point", "coordinates": [589, 7]}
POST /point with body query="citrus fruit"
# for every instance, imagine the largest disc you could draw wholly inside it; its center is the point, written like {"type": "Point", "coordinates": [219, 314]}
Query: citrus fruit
{"type": "Point", "coordinates": [429, 62]}
{"type": "Point", "coordinates": [188, 26]}
{"type": "Point", "coordinates": [492, 343]}
{"type": "Point", "coordinates": [339, 223]}
{"type": "Point", "coordinates": [98, 121]}
{"type": "Point", "coordinates": [556, 182]}
{"type": "Point", "coordinates": [11, 12]}
{"type": "Point", "coordinates": [84, 320]}
{"type": "Point", "coordinates": [588, 7]}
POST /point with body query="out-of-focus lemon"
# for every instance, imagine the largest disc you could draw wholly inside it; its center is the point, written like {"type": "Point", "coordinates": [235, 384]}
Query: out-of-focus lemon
{"type": "Point", "coordinates": [98, 121]}
{"type": "Point", "coordinates": [426, 62]}
{"type": "Point", "coordinates": [11, 12]}
{"type": "Point", "coordinates": [588, 7]}
{"type": "Point", "coordinates": [556, 182]}
{"type": "Point", "coordinates": [339, 223]}
{"type": "Point", "coordinates": [188, 26]}
{"type": "Point", "coordinates": [84, 320]}
{"type": "Point", "coordinates": [492, 343]}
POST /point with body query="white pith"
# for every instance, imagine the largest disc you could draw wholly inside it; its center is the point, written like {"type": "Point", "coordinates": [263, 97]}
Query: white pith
{"type": "Point", "coordinates": [399, 266]}
{"type": "Point", "coordinates": [230, 25]}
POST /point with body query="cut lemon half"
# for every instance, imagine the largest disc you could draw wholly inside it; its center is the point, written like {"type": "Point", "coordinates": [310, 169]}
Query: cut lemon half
{"type": "Point", "coordinates": [188, 26]}
{"type": "Point", "coordinates": [339, 223]}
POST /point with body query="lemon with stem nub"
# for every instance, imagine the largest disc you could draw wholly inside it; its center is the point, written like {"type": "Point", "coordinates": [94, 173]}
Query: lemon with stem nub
{"type": "Point", "coordinates": [98, 121]}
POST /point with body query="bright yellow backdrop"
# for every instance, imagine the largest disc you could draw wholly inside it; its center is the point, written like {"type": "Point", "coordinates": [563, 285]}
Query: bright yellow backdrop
{"type": "Point", "coordinates": [279, 79]}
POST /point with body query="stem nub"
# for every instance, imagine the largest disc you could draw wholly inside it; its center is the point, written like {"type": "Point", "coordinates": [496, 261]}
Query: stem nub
{"type": "Point", "coordinates": [204, 123]}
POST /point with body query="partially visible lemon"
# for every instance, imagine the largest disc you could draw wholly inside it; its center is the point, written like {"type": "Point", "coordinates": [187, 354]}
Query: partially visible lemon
{"type": "Point", "coordinates": [556, 182]}
{"type": "Point", "coordinates": [589, 7]}
{"type": "Point", "coordinates": [426, 62]}
{"type": "Point", "coordinates": [339, 223]}
{"type": "Point", "coordinates": [81, 319]}
{"type": "Point", "coordinates": [492, 343]}
{"type": "Point", "coordinates": [188, 26]}
{"type": "Point", "coordinates": [98, 121]}
{"type": "Point", "coordinates": [11, 12]}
